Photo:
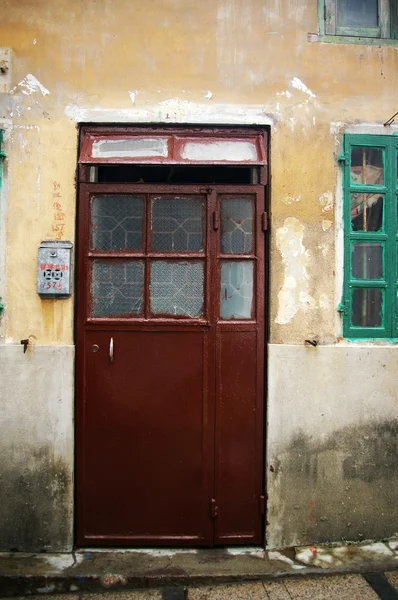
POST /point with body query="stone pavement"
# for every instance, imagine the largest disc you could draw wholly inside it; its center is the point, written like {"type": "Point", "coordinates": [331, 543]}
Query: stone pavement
{"type": "Point", "coordinates": [364, 571]}
{"type": "Point", "coordinates": [330, 587]}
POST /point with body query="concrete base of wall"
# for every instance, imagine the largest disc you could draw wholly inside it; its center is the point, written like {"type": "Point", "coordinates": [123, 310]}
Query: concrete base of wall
{"type": "Point", "coordinates": [332, 459]}
{"type": "Point", "coordinates": [36, 448]}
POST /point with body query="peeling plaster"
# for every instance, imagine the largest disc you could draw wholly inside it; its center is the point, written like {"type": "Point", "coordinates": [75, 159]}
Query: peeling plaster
{"type": "Point", "coordinates": [324, 302]}
{"type": "Point", "coordinates": [30, 85]}
{"type": "Point", "coordinates": [290, 199]}
{"type": "Point", "coordinates": [209, 95]}
{"type": "Point", "coordinates": [175, 110]}
{"type": "Point", "coordinates": [132, 94]}
{"type": "Point", "coordinates": [285, 93]}
{"type": "Point", "coordinates": [326, 201]}
{"type": "Point", "coordinates": [299, 85]}
{"type": "Point", "coordinates": [294, 292]}
{"type": "Point", "coordinates": [326, 224]}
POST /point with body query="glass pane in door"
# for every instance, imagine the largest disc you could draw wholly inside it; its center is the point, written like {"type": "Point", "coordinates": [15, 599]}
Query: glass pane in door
{"type": "Point", "coordinates": [177, 224]}
{"type": "Point", "coordinates": [177, 288]}
{"type": "Point", "coordinates": [237, 226]}
{"type": "Point", "coordinates": [116, 223]}
{"type": "Point", "coordinates": [117, 288]}
{"type": "Point", "coordinates": [236, 297]}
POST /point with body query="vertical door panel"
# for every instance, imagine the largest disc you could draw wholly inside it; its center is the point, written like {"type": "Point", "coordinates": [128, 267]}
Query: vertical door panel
{"type": "Point", "coordinates": [237, 492]}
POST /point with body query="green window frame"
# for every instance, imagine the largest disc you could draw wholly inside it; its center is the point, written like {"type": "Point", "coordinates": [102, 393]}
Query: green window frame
{"type": "Point", "coordinates": [370, 303]}
{"type": "Point", "coordinates": [385, 32]}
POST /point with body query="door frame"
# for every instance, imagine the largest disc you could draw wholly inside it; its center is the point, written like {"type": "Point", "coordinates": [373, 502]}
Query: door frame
{"type": "Point", "coordinates": [180, 188]}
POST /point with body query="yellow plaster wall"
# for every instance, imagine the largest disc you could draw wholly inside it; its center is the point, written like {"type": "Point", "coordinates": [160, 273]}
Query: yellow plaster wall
{"type": "Point", "coordinates": [244, 52]}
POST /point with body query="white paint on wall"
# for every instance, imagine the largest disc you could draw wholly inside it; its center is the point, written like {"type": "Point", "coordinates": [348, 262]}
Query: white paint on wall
{"type": "Point", "coordinates": [326, 224]}
{"type": "Point", "coordinates": [290, 199]}
{"type": "Point", "coordinates": [132, 94]}
{"type": "Point", "coordinates": [326, 201]}
{"type": "Point", "coordinates": [30, 85]}
{"type": "Point", "coordinates": [285, 93]}
{"type": "Point", "coordinates": [294, 294]}
{"type": "Point", "coordinates": [208, 95]}
{"type": "Point", "coordinates": [175, 111]}
{"type": "Point", "coordinates": [324, 302]}
{"type": "Point", "coordinates": [299, 85]}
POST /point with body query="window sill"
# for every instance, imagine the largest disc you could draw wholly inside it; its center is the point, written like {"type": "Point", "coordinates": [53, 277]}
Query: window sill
{"type": "Point", "coordinates": [340, 39]}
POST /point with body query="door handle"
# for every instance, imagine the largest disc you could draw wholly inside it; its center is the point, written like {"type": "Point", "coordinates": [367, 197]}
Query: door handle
{"type": "Point", "coordinates": [111, 350]}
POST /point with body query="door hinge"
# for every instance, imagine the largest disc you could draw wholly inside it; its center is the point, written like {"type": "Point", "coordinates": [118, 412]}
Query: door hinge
{"type": "Point", "coordinates": [216, 221]}
{"type": "Point", "coordinates": [342, 158]}
{"type": "Point", "coordinates": [264, 221]}
{"type": "Point", "coordinates": [262, 505]}
{"type": "Point", "coordinates": [213, 508]}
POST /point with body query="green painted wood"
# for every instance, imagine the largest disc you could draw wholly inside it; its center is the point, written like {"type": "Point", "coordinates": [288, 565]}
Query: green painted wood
{"type": "Point", "coordinates": [385, 34]}
{"type": "Point", "coordinates": [387, 236]}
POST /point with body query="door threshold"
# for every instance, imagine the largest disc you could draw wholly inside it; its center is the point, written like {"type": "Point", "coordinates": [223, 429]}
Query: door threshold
{"type": "Point", "coordinates": [91, 570]}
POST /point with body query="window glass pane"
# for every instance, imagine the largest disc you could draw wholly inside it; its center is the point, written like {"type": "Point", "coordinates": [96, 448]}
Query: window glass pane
{"type": "Point", "coordinates": [233, 151]}
{"type": "Point", "coordinates": [366, 212]}
{"type": "Point", "coordinates": [367, 260]}
{"type": "Point", "coordinates": [367, 307]}
{"type": "Point", "coordinates": [116, 223]}
{"type": "Point", "coordinates": [117, 288]}
{"type": "Point", "coordinates": [177, 224]}
{"type": "Point", "coordinates": [176, 288]}
{"type": "Point", "coordinates": [367, 165]}
{"type": "Point", "coordinates": [236, 296]}
{"type": "Point", "coordinates": [236, 226]}
{"type": "Point", "coordinates": [357, 13]}
{"type": "Point", "coordinates": [130, 148]}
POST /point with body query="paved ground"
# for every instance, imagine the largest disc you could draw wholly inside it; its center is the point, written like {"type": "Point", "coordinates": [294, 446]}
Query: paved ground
{"type": "Point", "coordinates": [366, 571]}
{"type": "Point", "coordinates": [331, 587]}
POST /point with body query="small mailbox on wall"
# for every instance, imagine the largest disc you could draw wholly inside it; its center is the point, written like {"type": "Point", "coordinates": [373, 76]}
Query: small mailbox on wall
{"type": "Point", "coordinates": [54, 269]}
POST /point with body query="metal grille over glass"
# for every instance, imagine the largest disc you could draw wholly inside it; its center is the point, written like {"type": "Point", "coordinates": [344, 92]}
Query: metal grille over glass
{"type": "Point", "coordinates": [116, 223]}
{"type": "Point", "coordinates": [147, 266]}
{"type": "Point", "coordinates": [177, 288]}
{"type": "Point", "coordinates": [237, 226]}
{"type": "Point", "coordinates": [117, 288]}
{"type": "Point", "coordinates": [177, 224]}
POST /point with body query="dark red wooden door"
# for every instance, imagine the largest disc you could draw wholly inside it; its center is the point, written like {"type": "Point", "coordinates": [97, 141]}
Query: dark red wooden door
{"type": "Point", "coordinates": [170, 365]}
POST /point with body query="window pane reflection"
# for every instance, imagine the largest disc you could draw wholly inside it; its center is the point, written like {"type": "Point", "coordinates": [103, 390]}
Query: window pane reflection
{"type": "Point", "coordinates": [367, 260]}
{"type": "Point", "coordinates": [357, 13]}
{"type": "Point", "coordinates": [367, 307]}
{"type": "Point", "coordinates": [367, 166]}
{"type": "Point", "coordinates": [366, 212]}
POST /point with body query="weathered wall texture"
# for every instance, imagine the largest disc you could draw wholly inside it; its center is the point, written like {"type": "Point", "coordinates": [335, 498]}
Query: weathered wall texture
{"type": "Point", "coordinates": [36, 449]}
{"type": "Point", "coordinates": [332, 463]}
{"type": "Point", "coordinates": [214, 61]}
